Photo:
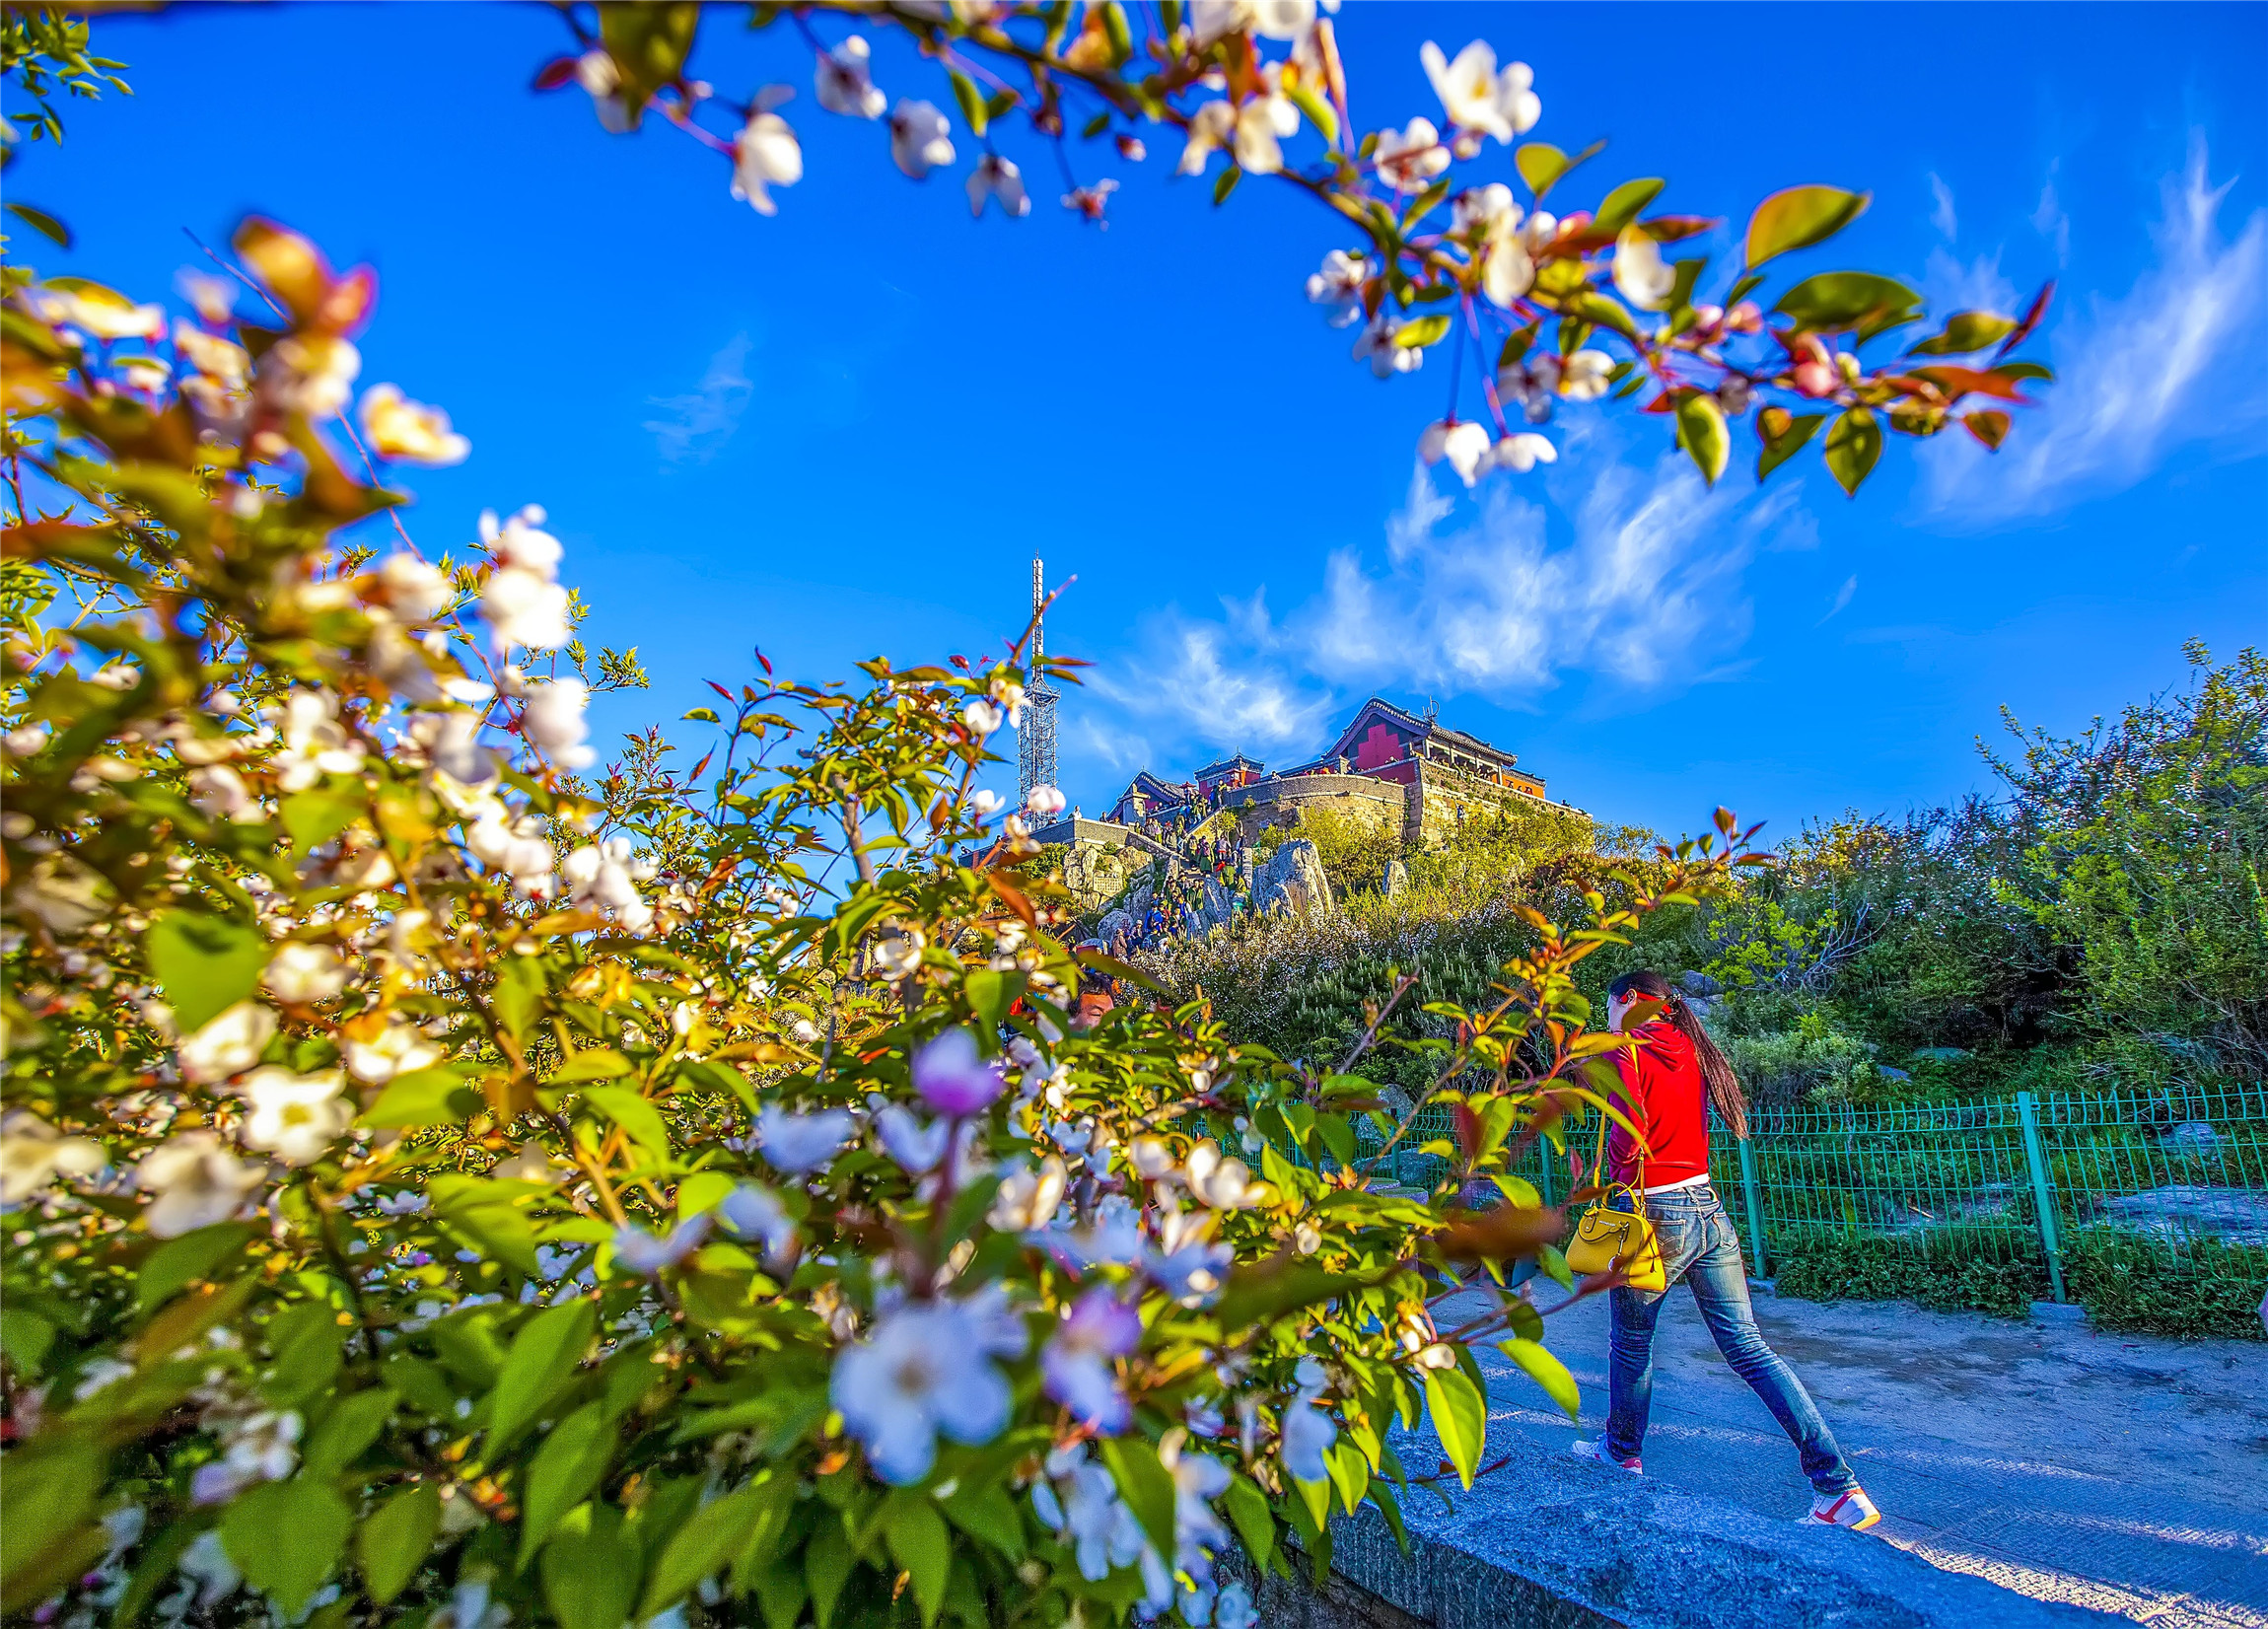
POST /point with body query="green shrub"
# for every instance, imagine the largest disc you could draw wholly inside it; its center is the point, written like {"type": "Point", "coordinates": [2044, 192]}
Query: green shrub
{"type": "Point", "coordinates": [2203, 1289]}
{"type": "Point", "coordinates": [1819, 1266]}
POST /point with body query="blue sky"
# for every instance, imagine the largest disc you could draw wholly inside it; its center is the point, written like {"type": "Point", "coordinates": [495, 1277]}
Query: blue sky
{"type": "Point", "coordinates": [847, 430]}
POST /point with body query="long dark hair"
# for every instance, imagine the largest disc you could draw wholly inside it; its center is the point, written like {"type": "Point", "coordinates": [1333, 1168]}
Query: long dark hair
{"type": "Point", "coordinates": [1724, 1094]}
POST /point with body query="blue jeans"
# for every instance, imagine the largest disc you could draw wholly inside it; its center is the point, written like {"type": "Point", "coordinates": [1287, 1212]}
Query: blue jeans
{"type": "Point", "coordinates": [1698, 1245]}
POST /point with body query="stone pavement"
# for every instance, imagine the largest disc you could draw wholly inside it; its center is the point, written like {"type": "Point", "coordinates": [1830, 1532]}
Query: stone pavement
{"type": "Point", "coordinates": [2125, 1473]}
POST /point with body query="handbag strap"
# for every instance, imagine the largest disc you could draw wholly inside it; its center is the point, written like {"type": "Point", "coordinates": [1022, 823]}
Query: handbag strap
{"type": "Point", "coordinates": [1599, 1168]}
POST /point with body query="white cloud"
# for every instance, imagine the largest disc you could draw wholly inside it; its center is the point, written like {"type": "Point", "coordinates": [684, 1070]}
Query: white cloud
{"type": "Point", "coordinates": [2050, 221]}
{"type": "Point", "coordinates": [1951, 284]}
{"type": "Point", "coordinates": [1842, 597]}
{"type": "Point", "coordinates": [2176, 360]}
{"type": "Point", "coordinates": [1941, 216]}
{"type": "Point", "coordinates": [1639, 584]}
{"type": "Point", "coordinates": [698, 425]}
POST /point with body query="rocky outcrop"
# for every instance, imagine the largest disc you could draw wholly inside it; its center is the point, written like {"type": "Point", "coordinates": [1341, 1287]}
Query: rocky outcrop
{"type": "Point", "coordinates": [1292, 883]}
{"type": "Point", "coordinates": [1396, 880]}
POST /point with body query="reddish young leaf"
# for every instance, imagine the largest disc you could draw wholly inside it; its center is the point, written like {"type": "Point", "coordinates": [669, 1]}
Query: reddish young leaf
{"type": "Point", "coordinates": [718, 688]}
{"type": "Point", "coordinates": [2031, 320]}
{"type": "Point", "coordinates": [1991, 427]}
{"type": "Point", "coordinates": [555, 73]}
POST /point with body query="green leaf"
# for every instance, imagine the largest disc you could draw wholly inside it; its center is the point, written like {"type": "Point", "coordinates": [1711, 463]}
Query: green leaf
{"type": "Point", "coordinates": [1799, 217]}
{"type": "Point", "coordinates": [596, 1063]}
{"type": "Point", "coordinates": [1621, 206]}
{"type": "Point", "coordinates": [1227, 184]}
{"type": "Point", "coordinates": [1460, 1418]}
{"type": "Point", "coordinates": [286, 1536]}
{"type": "Point", "coordinates": [705, 1545]}
{"type": "Point", "coordinates": [826, 1569]}
{"type": "Point", "coordinates": [1604, 310]}
{"type": "Point", "coordinates": [1708, 441]}
{"type": "Point", "coordinates": [1965, 331]}
{"type": "Point", "coordinates": [305, 1339]}
{"type": "Point", "coordinates": [1145, 1484]}
{"type": "Point", "coordinates": [422, 1097]}
{"type": "Point", "coordinates": [1786, 445]}
{"type": "Point", "coordinates": [179, 1263]}
{"type": "Point", "coordinates": [1853, 445]}
{"type": "Point", "coordinates": [990, 994]}
{"type": "Point", "coordinates": [1255, 1523]}
{"type": "Point", "coordinates": [393, 1542]}
{"type": "Point", "coordinates": [1835, 300]}
{"type": "Point", "coordinates": [639, 1120]}
{"type": "Point", "coordinates": [590, 1571]}
{"type": "Point", "coordinates": [703, 715]}
{"type": "Point", "coordinates": [989, 1515]}
{"type": "Point", "coordinates": [312, 818]}
{"type": "Point", "coordinates": [543, 1354]}
{"type": "Point", "coordinates": [43, 222]}
{"type": "Point", "coordinates": [919, 1544]}
{"type": "Point", "coordinates": [1425, 330]}
{"type": "Point", "coordinates": [1543, 165]}
{"type": "Point", "coordinates": [575, 1455]}
{"type": "Point", "coordinates": [649, 44]}
{"type": "Point", "coordinates": [24, 1336]}
{"type": "Point", "coordinates": [1350, 1472]}
{"type": "Point", "coordinates": [204, 964]}
{"type": "Point", "coordinates": [1315, 1499]}
{"type": "Point", "coordinates": [1546, 1371]}
{"type": "Point", "coordinates": [972, 99]}
{"type": "Point", "coordinates": [1319, 111]}
{"type": "Point", "coordinates": [519, 993]}
{"type": "Point", "coordinates": [351, 1426]}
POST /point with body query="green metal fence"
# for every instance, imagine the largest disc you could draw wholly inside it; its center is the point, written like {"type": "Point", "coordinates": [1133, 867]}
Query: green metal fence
{"type": "Point", "coordinates": [2011, 1178]}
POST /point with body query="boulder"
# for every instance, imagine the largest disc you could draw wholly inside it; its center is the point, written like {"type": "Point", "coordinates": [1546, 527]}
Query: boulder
{"type": "Point", "coordinates": [1700, 985]}
{"type": "Point", "coordinates": [2195, 1136]}
{"type": "Point", "coordinates": [1396, 880]}
{"type": "Point", "coordinates": [1292, 883]}
{"type": "Point", "coordinates": [1113, 924]}
{"type": "Point", "coordinates": [1940, 1054]}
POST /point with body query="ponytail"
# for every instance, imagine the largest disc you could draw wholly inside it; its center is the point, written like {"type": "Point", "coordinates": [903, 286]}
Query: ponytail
{"type": "Point", "coordinates": [1724, 1094]}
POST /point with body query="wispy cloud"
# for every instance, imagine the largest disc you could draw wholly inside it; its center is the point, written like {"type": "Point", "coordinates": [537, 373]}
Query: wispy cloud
{"type": "Point", "coordinates": [1941, 216]}
{"type": "Point", "coordinates": [2174, 361]}
{"type": "Point", "coordinates": [1640, 585]}
{"type": "Point", "coordinates": [2049, 219]}
{"type": "Point", "coordinates": [1842, 599]}
{"type": "Point", "coordinates": [695, 427]}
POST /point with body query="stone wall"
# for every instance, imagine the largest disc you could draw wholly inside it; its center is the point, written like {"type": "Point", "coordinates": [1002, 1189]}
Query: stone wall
{"type": "Point", "coordinates": [1440, 799]}
{"type": "Point", "coordinates": [1279, 801]}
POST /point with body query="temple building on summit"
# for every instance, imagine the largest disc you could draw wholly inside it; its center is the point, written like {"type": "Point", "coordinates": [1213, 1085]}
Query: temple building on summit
{"type": "Point", "coordinates": [1405, 773]}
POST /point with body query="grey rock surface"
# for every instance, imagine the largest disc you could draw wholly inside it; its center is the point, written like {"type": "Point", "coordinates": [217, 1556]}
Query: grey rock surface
{"type": "Point", "coordinates": [1396, 880]}
{"type": "Point", "coordinates": [1292, 882]}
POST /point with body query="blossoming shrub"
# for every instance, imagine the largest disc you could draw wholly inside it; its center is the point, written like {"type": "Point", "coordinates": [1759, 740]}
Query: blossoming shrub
{"type": "Point", "coordinates": [445, 1189]}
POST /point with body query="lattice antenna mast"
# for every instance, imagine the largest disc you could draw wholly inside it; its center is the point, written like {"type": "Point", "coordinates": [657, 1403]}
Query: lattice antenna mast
{"type": "Point", "coordinates": [1035, 736]}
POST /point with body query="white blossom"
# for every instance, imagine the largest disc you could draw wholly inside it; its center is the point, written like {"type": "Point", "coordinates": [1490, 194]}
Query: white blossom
{"type": "Point", "coordinates": [605, 875]}
{"type": "Point", "coordinates": [309, 372]}
{"type": "Point", "coordinates": [645, 1253]}
{"type": "Point", "coordinates": [1377, 344]}
{"type": "Point", "coordinates": [920, 138]}
{"type": "Point", "coordinates": [800, 1143]}
{"type": "Point", "coordinates": [1224, 1185]}
{"type": "Point", "coordinates": [597, 74]}
{"type": "Point", "coordinates": [1047, 802]}
{"type": "Point", "coordinates": [765, 155]}
{"type": "Point", "coordinates": [1339, 285]}
{"type": "Point", "coordinates": [296, 1118]}
{"type": "Point", "coordinates": [1261, 122]}
{"type": "Point", "coordinates": [1475, 96]}
{"type": "Point", "coordinates": [261, 1448]}
{"type": "Point", "coordinates": [220, 792]}
{"type": "Point", "coordinates": [1522, 452]}
{"type": "Point", "coordinates": [981, 717]}
{"type": "Point", "coordinates": [553, 721]}
{"type": "Point", "coordinates": [1409, 157]}
{"type": "Point", "coordinates": [412, 589]}
{"type": "Point", "coordinates": [227, 1044]}
{"type": "Point", "coordinates": [33, 1153]}
{"type": "Point", "coordinates": [997, 177]}
{"type": "Point", "coordinates": [197, 1182]}
{"type": "Point", "coordinates": [901, 954]}
{"type": "Point", "coordinates": [523, 608]}
{"type": "Point", "coordinates": [1646, 280]}
{"type": "Point", "coordinates": [399, 1049]}
{"type": "Point", "coordinates": [399, 428]}
{"type": "Point", "coordinates": [300, 973]}
{"type": "Point", "coordinates": [1464, 443]}
{"type": "Point", "coordinates": [315, 742]}
{"type": "Point", "coordinates": [1211, 127]}
{"type": "Point", "coordinates": [756, 1213]}
{"type": "Point", "coordinates": [1028, 1198]}
{"type": "Point", "coordinates": [844, 83]}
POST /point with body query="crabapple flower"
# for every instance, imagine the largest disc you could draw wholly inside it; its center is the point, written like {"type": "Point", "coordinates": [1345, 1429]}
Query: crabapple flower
{"type": "Point", "coordinates": [1339, 285]}
{"type": "Point", "coordinates": [514, 848]}
{"type": "Point", "coordinates": [1223, 1185]}
{"type": "Point", "coordinates": [1582, 377]}
{"type": "Point", "coordinates": [997, 177]}
{"type": "Point", "coordinates": [227, 1044]}
{"type": "Point", "coordinates": [525, 609]}
{"type": "Point", "coordinates": [798, 1143]}
{"type": "Point", "coordinates": [1075, 1364]}
{"type": "Point", "coordinates": [552, 719]}
{"type": "Point", "coordinates": [1027, 1198]}
{"type": "Point", "coordinates": [1047, 802]}
{"type": "Point", "coordinates": [920, 138]}
{"type": "Point", "coordinates": [300, 973]}
{"type": "Point", "coordinates": [765, 155]}
{"type": "Point", "coordinates": [899, 956]}
{"type": "Point", "coordinates": [261, 1449]}
{"type": "Point", "coordinates": [1815, 371]}
{"type": "Point", "coordinates": [415, 591]}
{"type": "Point", "coordinates": [311, 374]}
{"type": "Point", "coordinates": [756, 1213]}
{"type": "Point", "coordinates": [1211, 128]}
{"type": "Point", "coordinates": [101, 313]}
{"type": "Point", "coordinates": [1387, 355]}
{"type": "Point", "coordinates": [197, 1182]}
{"type": "Point", "coordinates": [1261, 122]}
{"type": "Point", "coordinates": [1522, 452]}
{"type": "Point", "coordinates": [1645, 279]}
{"type": "Point", "coordinates": [33, 1153]}
{"type": "Point", "coordinates": [649, 1256]}
{"type": "Point", "coordinates": [315, 742]}
{"type": "Point", "coordinates": [915, 1145]}
{"type": "Point", "coordinates": [605, 875]}
{"type": "Point", "coordinates": [1186, 1266]}
{"type": "Point", "coordinates": [952, 1078]}
{"type": "Point", "coordinates": [1409, 157]}
{"type": "Point", "coordinates": [399, 428]}
{"type": "Point", "coordinates": [597, 74]}
{"type": "Point", "coordinates": [296, 1118]}
{"type": "Point", "coordinates": [1463, 444]}
{"type": "Point", "coordinates": [1475, 96]}
{"type": "Point", "coordinates": [922, 1373]}
{"type": "Point", "coordinates": [844, 83]}
{"type": "Point", "coordinates": [984, 803]}
{"type": "Point", "coordinates": [981, 717]}
{"type": "Point", "coordinates": [400, 1048]}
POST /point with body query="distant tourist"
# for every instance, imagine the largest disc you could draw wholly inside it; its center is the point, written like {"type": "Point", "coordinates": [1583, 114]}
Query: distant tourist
{"type": "Point", "coordinates": [1668, 1083]}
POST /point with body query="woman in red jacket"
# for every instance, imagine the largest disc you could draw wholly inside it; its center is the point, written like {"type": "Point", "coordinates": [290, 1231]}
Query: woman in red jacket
{"type": "Point", "coordinates": [1669, 1080]}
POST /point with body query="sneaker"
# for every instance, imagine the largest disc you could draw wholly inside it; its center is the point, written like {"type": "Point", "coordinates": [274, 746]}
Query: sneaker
{"type": "Point", "coordinates": [1853, 1510]}
{"type": "Point", "coordinates": [1594, 1447]}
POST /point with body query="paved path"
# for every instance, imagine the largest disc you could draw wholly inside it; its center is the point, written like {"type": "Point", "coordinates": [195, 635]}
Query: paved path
{"type": "Point", "coordinates": [2123, 1473]}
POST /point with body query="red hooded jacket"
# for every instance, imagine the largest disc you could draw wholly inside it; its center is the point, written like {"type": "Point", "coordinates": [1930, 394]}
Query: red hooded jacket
{"type": "Point", "coordinates": [1665, 1097]}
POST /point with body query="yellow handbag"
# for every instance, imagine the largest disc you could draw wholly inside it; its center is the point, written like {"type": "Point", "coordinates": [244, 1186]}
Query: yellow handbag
{"type": "Point", "coordinates": [1606, 1240]}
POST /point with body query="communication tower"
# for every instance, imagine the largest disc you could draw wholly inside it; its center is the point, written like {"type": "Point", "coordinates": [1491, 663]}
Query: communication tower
{"type": "Point", "coordinates": [1035, 736]}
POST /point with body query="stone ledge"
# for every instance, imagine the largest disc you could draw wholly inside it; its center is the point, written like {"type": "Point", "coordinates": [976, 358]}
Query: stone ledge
{"type": "Point", "coordinates": [1550, 1542]}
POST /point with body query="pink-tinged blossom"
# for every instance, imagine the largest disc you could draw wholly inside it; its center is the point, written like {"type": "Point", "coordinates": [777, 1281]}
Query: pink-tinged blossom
{"type": "Point", "coordinates": [1075, 1365]}
{"type": "Point", "coordinates": [997, 177]}
{"type": "Point", "coordinates": [765, 153]}
{"type": "Point", "coordinates": [952, 1079]}
{"type": "Point", "coordinates": [801, 1142]}
{"type": "Point", "coordinates": [1409, 159]}
{"type": "Point", "coordinates": [1463, 445]}
{"type": "Point", "coordinates": [920, 138]}
{"type": "Point", "coordinates": [844, 81]}
{"type": "Point", "coordinates": [1047, 802]}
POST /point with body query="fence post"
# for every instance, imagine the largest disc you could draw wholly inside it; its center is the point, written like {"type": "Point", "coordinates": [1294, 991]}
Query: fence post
{"type": "Point", "coordinates": [1761, 1267]}
{"type": "Point", "coordinates": [2042, 1196]}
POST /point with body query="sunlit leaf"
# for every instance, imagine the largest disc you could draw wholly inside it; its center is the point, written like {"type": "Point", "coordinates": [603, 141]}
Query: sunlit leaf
{"type": "Point", "coordinates": [1798, 218]}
